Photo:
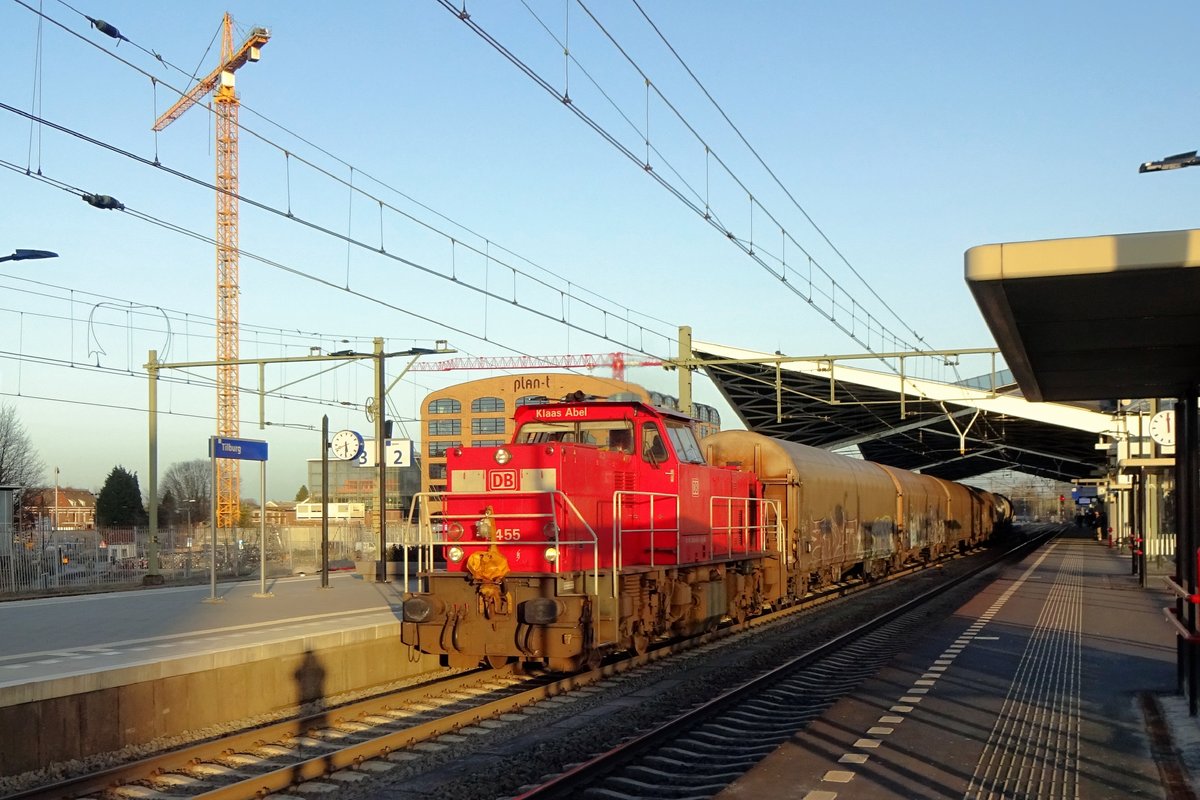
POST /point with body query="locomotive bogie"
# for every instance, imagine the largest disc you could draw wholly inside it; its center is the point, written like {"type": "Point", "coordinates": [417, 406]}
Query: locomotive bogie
{"type": "Point", "coordinates": [538, 624]}
{"type": "Point", "coordinates": [549, 627]}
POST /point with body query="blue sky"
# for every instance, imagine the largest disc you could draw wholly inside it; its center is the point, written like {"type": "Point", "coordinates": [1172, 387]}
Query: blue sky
{"type": "Point", "coordinates": [907, 133]}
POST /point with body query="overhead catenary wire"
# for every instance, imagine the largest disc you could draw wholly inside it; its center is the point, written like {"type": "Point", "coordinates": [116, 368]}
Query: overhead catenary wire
{"type": "Point", "coordinates": [482, 290]}
{"type": "Point", "coordinates": [487, 249]}
{"type": "Point", "coordinates": [768, 170]}
{"type": "Point", "coordinates": [250, 255]}
{"type": "Point", "coordinates": [831, 296]}
{"type": "Point", "coordinates": [605, 312]}
{"type": "Point", "coordinates": [289, 155]}
{"type": "Point", "coordinates": [748, 245]}
{"type": "Point", "coordinates": [699, 207]}
{"type": "Point", "coordinates": [171, 226]}
{"type": "Point", "coordinates": [771, 172]}
{"type": "Point", "coordinates": [279, 265]}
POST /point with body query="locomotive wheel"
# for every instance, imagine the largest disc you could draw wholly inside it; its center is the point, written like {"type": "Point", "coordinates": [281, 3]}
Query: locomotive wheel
{"type": "Point", "coordinates": [496, 662]}
{"type": "Point", "coordinates": [461, 661]}
{"type": "Point", "coordinates": [569, 664]}
{"type": "Point", "coordinates": [639, 640]}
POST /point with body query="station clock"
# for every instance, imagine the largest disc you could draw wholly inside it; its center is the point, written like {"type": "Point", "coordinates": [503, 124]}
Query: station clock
{"type": "Point", "coordinates": [346, 444]}
{"type": "Point", "coordinates": [1162, 427]}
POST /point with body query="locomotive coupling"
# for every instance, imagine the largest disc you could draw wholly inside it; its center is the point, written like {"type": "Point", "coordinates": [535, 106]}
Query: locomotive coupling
{"type": "Point", "coordinates": [488, 570]}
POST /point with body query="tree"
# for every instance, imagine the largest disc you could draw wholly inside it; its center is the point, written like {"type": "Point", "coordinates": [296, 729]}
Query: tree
{"type": "Point", "coordinates": [301, 494]}
{"type": "Point", "coordinates": [168, 509]}
{"type": "Point", "coordinates": [19, 462]}
{"type": "Point", "coordinates": [246, 510]}
{"type": "Point", "coordinates": [120, 501]}
{"type": "Point", "coordinates": [188, 482]}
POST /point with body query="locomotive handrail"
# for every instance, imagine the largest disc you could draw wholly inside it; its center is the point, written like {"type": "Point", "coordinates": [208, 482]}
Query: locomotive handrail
{"type": "Point", "coordinates": [426, 544]}
{"type": "Point", "coordinates": [619, 530]}
{"type": "Point", "coordinates": [756, 531]}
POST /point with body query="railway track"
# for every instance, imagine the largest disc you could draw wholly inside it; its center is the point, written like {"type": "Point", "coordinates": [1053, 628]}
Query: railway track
{"type": "Point", "coordinates": [703, 750]}
{"type": "Point", "coordinates": [264, 760]}
{"type": "Point", "coordinates": [348, 744]}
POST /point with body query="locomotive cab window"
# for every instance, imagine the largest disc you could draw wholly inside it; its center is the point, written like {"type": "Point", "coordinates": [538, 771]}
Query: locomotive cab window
{"type": "Point", "coordinates": [539, 432]}
{"type": "Point", "coordinates": [683, 439]}
{"type": "Point", "coordinates": [620, 439]}
{"type": "Point", "coordinates": [654, 449]}
{"type": "Point", "coordinates": [607, 434]}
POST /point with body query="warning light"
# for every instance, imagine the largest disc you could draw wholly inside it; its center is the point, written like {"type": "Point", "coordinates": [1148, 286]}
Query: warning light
{"type": "Point", "coordinates": [1061, 498]}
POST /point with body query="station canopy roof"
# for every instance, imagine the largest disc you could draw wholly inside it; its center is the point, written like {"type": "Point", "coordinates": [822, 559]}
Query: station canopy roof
{"type": "Point", "coordinates": [836, 405]}
{"type": "Point", "coordinates": [1097, 317]}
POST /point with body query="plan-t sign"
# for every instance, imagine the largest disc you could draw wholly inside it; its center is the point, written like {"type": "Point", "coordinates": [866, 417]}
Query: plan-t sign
{"type": "Point", "coordinates": [241, 449]}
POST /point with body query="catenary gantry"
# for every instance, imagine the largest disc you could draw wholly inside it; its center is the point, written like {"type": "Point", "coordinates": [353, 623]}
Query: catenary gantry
{"type": "Point", "coordinates": [949, 430]}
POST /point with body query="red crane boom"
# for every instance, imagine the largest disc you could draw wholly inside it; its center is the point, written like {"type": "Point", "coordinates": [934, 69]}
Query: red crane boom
{"type": "Point", "coordinates": [616, 361]}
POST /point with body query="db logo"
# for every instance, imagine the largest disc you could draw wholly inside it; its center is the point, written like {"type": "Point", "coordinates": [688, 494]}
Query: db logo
{"type": "Point", "coordinates": [502, 480]}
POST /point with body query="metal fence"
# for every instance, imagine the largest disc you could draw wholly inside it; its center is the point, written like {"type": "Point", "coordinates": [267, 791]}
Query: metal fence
{"type": "Point", "coordinates": [59, 561]}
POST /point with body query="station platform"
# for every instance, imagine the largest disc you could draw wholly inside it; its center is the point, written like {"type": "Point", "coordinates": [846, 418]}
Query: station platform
{"type": "Point", "coordinates": [93, 673]}
{"type": "Point", "coordinates": [74, 636]}
{"type": "Point", "coordinates": [1056, 682]}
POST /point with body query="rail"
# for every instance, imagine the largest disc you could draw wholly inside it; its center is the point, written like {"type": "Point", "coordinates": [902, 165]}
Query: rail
{"type": "Point", "coordinates": [711, 714]}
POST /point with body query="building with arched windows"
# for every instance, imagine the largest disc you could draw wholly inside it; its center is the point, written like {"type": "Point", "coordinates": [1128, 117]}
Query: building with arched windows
{"type": "Point", "coordinates": [480, 413]}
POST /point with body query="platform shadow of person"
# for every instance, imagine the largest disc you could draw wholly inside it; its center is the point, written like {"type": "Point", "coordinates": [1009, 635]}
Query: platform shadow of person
{"type": "Point", "coordinates": [310, 700]}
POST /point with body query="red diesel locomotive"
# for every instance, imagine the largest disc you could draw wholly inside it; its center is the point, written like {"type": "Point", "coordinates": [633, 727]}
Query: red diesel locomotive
{"type": "Point", "coordinates": [607, 524]}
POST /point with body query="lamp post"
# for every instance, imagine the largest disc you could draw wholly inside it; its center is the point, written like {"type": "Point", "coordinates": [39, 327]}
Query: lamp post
{"type": "Point", "coordinates": [187, 564]}
{"type": "Point", "coordinates": [21, 254]}
{"type": "Point", "coordinates": [42, 555]}
{"type": "Point", "coordinates": [1187, 487]}
{"type": "Point", "coordinates": [26, 255]}
{"type": "Point", "coordinates": [1188, 159]}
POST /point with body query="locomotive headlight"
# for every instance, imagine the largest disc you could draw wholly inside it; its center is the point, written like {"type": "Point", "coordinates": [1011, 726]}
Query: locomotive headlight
{"type": "Point", "coordinates": [542, 610]}
{"type": "Point", "coordinates": [454, 554]}
{"type": "Point", "coordinates": [551, 554]}
{"type": "Point", "coordinates": [423, 609]}
{"type": "Point", "coordinates": [550, 531]}
{"type": "Point", "coordinates": [455, 531]}
{"type": "Point", "coordinates": [503, 456]}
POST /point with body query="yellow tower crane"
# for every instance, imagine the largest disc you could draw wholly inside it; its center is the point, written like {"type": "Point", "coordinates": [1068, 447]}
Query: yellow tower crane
{"type": "Point", "coordinates": [225, 101]}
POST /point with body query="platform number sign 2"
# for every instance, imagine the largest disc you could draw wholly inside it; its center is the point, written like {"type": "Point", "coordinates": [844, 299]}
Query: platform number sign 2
{"type": "Point", "coordinates": [398, 453]}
